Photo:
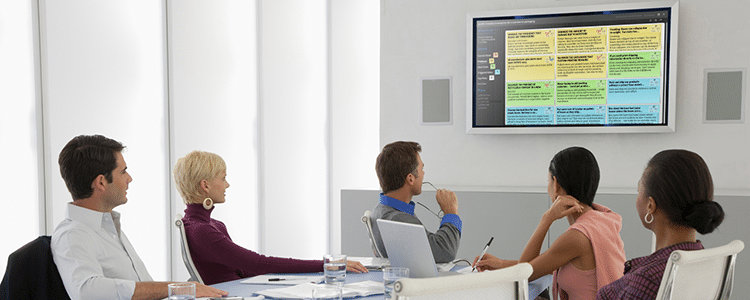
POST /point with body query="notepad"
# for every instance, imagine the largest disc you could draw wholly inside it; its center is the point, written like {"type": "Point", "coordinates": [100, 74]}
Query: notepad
{"type": "Point", "coordinates": [282, 279]}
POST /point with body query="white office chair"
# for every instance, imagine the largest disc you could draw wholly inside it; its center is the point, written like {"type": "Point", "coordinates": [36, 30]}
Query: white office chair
{"type": "Point", "coordinates": [508, 283]}
{"type": "Point", "coordinates": [186, 257]}
{"type": "Point", "coordinates": [701, 274]}
{"type": "Point", "coordinates": [368, 224]}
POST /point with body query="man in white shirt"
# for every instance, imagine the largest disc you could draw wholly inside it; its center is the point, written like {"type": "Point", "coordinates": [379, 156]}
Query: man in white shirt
{"type": "Point", "coordinates": [95, 258]}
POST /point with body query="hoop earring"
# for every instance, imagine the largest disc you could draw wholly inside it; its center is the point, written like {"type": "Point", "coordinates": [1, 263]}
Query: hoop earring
{"type": "Point", "coordinates": [208, 203]}
{"type": "Point", "coordinates": [645, 218]}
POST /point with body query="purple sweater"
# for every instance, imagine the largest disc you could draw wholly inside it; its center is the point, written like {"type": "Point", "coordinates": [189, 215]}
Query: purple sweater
{"type": "Point", "coordinates": [218, 259]}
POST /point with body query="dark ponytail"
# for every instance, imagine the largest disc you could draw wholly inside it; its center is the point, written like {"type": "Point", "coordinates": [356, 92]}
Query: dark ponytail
{"type": "Point", "coordinates": [681, 185]}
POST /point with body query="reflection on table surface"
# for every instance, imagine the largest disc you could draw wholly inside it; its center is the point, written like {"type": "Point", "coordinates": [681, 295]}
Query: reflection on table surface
{"type": "Point", "coordinates": [236, 288]}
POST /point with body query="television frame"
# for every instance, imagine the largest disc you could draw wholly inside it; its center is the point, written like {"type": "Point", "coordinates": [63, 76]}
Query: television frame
{"type": "Point", "coordinates": [671, 71]}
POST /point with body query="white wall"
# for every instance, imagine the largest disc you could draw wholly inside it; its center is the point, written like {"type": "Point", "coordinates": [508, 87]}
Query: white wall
{"type": "Point", "coordinates": [422, 38]}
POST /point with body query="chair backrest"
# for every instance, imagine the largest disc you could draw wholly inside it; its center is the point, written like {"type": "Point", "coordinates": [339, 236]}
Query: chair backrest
{"type": "Point", "coordinates": [32, 273]}
{"type": "Point", "coordinates": [368, 224]}
{"type": "Point", "coordinates": [186, 257]}
{"type": "Point", "coordinates": [508, 283]}
{"type": "Point", "coordinates": [701, 274]}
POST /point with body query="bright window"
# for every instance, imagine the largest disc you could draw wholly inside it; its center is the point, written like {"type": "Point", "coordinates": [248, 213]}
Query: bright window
{"type": "Point", "coordinates": [19, 167]}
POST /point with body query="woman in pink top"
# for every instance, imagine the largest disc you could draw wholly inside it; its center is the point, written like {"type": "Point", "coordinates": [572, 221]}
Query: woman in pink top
{"type": "Point", "coordinates": [590, 254]}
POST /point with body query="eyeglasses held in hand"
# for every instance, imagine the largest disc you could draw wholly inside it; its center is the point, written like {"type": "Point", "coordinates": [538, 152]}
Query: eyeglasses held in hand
{"type": "Point", "coordinates": [440, 214]}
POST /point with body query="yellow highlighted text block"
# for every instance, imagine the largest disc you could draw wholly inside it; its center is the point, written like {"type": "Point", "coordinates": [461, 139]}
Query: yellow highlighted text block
{"type": "Point", "coordinates": [530, 68]}
{"type": "Point", "coordinates": [530, 42]}
{"type": "Point", "coordinates": [582, 40]}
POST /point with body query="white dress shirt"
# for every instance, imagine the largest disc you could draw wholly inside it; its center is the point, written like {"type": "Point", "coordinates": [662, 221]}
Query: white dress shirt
{"type": "Point", "coordinates": [95, 258]}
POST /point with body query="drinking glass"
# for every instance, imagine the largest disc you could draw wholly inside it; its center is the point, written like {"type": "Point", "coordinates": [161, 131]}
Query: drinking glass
{"type": "Point", "coordinates": [181, 291]}
{"type": "Point", "coordinates": [390, 276]}
{"type": "Point", "coordinates": [334, 268]}
{"type": "Point", "coordinates": [328, 292]}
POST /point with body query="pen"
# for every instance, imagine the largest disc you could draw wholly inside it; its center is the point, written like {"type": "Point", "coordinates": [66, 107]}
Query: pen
{"type": "Point", "coordinates": [276, 279]}
{"type": "Point", "coordinates": [484, 251]}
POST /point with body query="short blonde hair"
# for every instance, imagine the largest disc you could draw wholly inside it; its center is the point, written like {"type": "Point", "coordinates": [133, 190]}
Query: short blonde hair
{"type": "Point", "coordinates": [191, 169]}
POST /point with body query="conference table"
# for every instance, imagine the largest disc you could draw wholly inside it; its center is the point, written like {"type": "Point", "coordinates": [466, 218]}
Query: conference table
{"type": "Point", "coordinates": [236, 288]}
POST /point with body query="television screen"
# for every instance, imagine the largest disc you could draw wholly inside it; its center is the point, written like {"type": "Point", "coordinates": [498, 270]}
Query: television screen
{"type": "Point", "coordinates": [589, 69]}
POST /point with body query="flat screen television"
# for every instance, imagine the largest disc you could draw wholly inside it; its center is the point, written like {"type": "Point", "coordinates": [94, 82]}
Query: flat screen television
{"type": "Point", "coordinates": [584, 69]}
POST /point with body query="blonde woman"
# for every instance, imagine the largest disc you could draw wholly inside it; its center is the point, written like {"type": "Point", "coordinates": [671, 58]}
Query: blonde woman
{"type": "Point", "coordinates": [201, 179]}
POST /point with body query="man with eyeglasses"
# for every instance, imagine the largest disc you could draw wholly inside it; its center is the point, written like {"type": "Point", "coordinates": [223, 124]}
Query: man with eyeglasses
{"type": "Point", "coordinates": [401, 173]}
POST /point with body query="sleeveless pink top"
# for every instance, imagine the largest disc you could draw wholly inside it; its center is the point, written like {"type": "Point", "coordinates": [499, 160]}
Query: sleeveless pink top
{"type": "Point", "coordinates": [575, 284]}
{"type": "Point", "coordinates": [602, 227]}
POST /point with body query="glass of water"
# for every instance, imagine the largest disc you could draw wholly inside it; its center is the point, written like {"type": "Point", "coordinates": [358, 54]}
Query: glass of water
{"type": "Point", "coordinates": [334, 268]}
{"type": "Point", "coordinates": [181, 291]}
{"type": "Point", "coordinates": [390, 276]}
{"type": "Point", "coordinates": [325, 291]}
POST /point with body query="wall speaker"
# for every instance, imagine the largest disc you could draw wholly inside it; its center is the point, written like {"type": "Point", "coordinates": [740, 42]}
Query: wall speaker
{"type": "Point", "coordinates": [437, 102]}
{"type": "Point", "coordinates": [724, 95]}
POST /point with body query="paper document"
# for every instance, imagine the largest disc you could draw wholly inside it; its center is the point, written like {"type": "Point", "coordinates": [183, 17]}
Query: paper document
{"type": "Point", "coordinates": [282, 279]}
{"type": "Point", "coordinates": [303, 291]}
{"type": "Point", "coordinates": [372, 263]}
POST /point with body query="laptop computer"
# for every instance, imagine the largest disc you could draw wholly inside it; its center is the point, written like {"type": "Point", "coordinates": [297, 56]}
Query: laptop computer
{"type": "Point", "coordinates": [407, 246]}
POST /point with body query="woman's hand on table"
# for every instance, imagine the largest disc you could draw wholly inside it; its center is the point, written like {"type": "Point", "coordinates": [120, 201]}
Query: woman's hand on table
{"type": "Point", "coordinates": [355, 266]}
{"type": "Point", "coordinates": [202, 290]}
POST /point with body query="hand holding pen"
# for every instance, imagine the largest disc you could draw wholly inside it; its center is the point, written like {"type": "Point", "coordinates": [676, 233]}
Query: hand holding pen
{"type": "Point", "coordinates": [488, 262]}
{"type": "Point", "coordinates": [484, 251]}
